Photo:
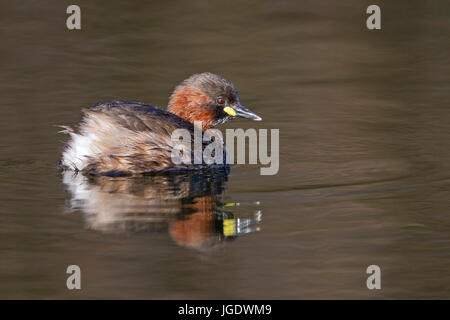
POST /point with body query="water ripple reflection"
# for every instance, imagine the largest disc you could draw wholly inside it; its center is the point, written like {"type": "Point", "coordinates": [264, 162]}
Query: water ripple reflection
{"type": "Point", "coordinates": [188, 205]}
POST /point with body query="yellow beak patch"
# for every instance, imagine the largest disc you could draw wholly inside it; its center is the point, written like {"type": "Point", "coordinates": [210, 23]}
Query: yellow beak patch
{"type": "Point", "coordinates": [230, 111]}
{"type": "Point", "coordinates": [229, 227]}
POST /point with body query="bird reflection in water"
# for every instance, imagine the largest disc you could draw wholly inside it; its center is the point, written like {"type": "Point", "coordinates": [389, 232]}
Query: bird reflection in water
{"type": "Point", "coordinates": [186, 204]}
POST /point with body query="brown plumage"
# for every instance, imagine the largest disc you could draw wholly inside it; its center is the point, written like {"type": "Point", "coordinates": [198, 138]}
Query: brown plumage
{"type": "Point", "coordinates": [121, 137]}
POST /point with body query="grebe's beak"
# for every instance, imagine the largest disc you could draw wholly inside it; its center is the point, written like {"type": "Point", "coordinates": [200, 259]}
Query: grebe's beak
{"type": "Point", "coordinates": [241, 111]}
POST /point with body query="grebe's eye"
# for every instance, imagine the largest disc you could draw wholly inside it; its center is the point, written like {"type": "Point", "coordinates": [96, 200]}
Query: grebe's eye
{"type": "Point", "coordinates": [220, 100]}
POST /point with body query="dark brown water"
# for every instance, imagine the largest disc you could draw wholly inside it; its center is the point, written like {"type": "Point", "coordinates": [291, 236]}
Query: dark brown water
{"type": "Point", "coordinates": [364, 152]}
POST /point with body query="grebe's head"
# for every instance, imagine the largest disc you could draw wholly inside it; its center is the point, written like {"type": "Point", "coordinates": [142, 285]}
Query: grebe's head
{"type": "Point", "coordinates": [208, 98]}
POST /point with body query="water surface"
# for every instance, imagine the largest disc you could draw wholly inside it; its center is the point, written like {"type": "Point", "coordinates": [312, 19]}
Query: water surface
{"type": "Point", "coordinates": [364, 152]}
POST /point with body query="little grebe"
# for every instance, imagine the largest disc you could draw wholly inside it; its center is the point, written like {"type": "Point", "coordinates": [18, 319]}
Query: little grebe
{"type": "Point", "coordinates": [122, 137]}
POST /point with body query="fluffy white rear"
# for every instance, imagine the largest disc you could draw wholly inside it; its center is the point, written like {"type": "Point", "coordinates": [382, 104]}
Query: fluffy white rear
{"type": "Point", "coordinates": [87, 143]}
{"type": "Point", "coordinates": [78, 150]}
